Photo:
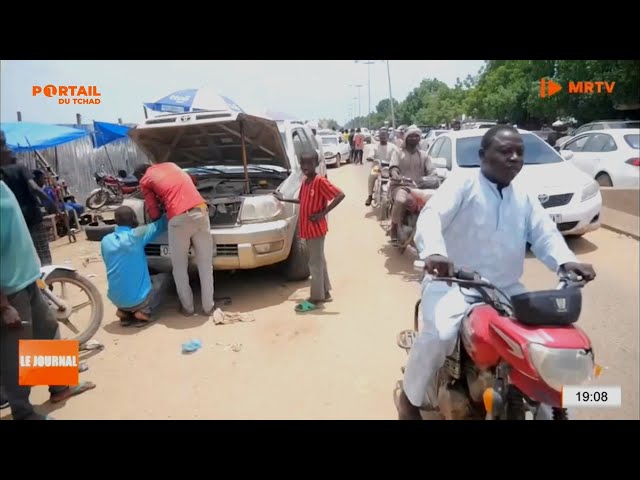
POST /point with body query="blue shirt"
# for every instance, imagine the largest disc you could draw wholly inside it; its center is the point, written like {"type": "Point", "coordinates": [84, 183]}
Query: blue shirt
{"type": "Point", "coordinates": [468, 221]}
{"type": "Point", "coordinates": [19, 262]}
{"type": "Point", "coordinates": [127, 269]}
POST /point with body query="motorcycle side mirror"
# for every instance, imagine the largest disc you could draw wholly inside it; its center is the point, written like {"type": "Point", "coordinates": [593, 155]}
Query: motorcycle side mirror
{"type": "Point", "coordinates": [122, 173]}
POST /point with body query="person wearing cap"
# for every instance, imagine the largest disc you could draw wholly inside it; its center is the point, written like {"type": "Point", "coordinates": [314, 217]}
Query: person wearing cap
{"type": "Point", "coordinates": [559, 131]}
{"type": "Point", "coordinates": [412, 163]}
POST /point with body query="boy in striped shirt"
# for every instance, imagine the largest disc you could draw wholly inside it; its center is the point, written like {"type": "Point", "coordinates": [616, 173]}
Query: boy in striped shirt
{"type": "Point", "coordinates": [315, 193]}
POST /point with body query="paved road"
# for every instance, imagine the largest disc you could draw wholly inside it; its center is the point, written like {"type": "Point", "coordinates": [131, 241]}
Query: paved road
{"type": "Point", "coordinates": [341, 363]}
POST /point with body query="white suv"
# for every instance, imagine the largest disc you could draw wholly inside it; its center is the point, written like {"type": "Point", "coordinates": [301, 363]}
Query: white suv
{"type": "Point", "coordinates": [249, 226]}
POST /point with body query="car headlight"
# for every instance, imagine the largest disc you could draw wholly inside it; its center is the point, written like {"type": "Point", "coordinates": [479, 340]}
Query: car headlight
{"type": "Point", "coordinates": [329, 154]}
{"type": "Point", "coordinates": [590, 190]}
{"type": "Point", "coordinates": [562, 366]}
{"type": "Point", "coordinates": [260, 208]}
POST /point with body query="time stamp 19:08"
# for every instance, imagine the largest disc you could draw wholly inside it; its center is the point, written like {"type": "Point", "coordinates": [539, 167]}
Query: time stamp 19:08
{"type": "Point", "coordinates": [591, 396]}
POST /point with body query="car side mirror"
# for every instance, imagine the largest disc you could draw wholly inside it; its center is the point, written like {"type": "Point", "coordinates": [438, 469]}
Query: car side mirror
{"type": "Point", "coordinates": [566, 154]}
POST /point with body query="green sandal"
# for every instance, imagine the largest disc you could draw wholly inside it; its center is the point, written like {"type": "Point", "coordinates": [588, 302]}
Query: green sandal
{"type": "Point", "coordinates": [72, 391]}
{"type": "Point", "coordinates": [305, 306]}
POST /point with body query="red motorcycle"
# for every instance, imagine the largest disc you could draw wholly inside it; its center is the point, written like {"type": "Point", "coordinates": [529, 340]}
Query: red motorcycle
{"type": "Point", "coordinates": [513, 354]}
{"type": "Point", "coordinates": [111, 189]}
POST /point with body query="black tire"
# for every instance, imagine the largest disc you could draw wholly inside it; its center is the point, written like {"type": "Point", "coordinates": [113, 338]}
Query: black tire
{"type": "Point", "coordinates": [97, 200]}
{"type": "Point", "coordinates": [97, 231]}
{"type": "Point", "coordinates": [515, 405]}
{"type": "Point", "coordinates": [296, 267]}
{"type": "Point", "coordinates": [97, 307]}
{"type": "Point", "coordinates": [604, 180]}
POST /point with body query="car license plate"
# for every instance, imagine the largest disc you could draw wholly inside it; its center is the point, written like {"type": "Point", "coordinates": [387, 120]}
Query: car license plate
{"type": "Point", "coordinates": [556, 218]}
{"type": "Point", "coordinates": [166, 252]}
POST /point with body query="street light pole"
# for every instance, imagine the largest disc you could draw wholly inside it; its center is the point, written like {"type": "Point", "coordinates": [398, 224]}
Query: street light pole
{"type": "Point", "coordinates": [393, 117]}
{"type": "Point", "coordinates": [368, 63]}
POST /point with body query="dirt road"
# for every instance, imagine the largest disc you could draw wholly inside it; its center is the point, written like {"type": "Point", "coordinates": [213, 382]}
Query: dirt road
{"type": "Point", "coordinates": [341, 363]}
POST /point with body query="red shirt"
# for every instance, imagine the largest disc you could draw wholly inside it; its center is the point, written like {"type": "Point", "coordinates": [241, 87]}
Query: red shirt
{"type": "Point", "coordinates": [314, 197]}
{"type": "Point", "coordinates": [172, 186]}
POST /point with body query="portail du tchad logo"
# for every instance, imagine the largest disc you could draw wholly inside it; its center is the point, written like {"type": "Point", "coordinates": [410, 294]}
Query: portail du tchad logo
{"type": "Point", "coordinates": [69, 94]}
{"type": "Point", "coordinates": [48, 362]}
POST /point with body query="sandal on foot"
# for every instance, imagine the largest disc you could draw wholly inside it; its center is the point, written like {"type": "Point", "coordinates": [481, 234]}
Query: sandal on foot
{"type": "Point", "coordinates": [72, 391]}
{"type": "Point", "coordinates": [305, 306]}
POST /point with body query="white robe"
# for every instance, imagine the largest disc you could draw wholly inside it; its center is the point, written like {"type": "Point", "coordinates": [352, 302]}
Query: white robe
{"type": "Point", "coordinates": [471, 224]}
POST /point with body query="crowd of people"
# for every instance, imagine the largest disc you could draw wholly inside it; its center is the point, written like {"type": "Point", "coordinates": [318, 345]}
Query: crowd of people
{"type": "Point", "coordinates": [482, 220]}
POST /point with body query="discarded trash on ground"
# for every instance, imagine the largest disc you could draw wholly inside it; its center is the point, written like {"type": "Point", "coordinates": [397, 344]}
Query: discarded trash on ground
{"type": "Point", "coordinates": [92, 345]}
{"type": "Point", "coordinates": [83, 367]}
{"type": "Point", "coordinates": [226, 318]}
{"type": "Point", "coordinates": [191, 346]}
{"type": "Point", "coordinates": [92, 275]}
{"type": "Point", "coordinates": [236, 347]}
{"type": "Point", "coordinates": [87, 260]}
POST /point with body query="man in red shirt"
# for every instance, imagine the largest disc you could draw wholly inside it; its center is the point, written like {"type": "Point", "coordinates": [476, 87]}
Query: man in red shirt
{"type": "Point", "coordinates": [315, 193]}
{"type": "Point", "coordinates": [188, 217]}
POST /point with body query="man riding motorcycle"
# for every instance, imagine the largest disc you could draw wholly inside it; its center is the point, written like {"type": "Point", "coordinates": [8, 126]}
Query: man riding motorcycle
{"type": "Point", "coordinates": [383, 153]}
{"type": "Point", "coordinates": [411, 163]}
{"type": "Point", "coordinates": [481, 222]}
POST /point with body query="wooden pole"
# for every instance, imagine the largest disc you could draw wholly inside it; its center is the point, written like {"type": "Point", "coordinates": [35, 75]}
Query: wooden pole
{"type": "Point", "coordinates": [244, 160]}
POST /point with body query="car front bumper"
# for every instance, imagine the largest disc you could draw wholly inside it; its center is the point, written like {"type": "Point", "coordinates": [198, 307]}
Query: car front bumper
{"type": "Point", "coordinates": [236, 248]}
{"type": "Point", "coordinates": [578, 217]}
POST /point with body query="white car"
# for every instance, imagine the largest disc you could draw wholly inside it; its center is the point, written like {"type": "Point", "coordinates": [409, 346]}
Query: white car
{"type": "Point", "coordinates": [430, 137]}
{"type": "Point", "coordinates": [335, 148]}
{"type": "Point", "coordinates": [571, 197]}
{"type": "Point", "coordinates": [612, 156]}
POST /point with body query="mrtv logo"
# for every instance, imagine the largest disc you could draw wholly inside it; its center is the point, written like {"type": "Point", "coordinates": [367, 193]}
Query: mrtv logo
{"type": "Point", "coordinates": [69, 94]}
{"type": "Point", "coordinates": [548, 88]}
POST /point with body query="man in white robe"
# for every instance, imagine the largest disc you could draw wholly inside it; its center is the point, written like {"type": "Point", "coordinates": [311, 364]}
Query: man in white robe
{"type": "Point", "coordinates": [480, 221]}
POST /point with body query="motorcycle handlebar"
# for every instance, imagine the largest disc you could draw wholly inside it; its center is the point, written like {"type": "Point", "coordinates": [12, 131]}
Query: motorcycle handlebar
{"type": "Point", "coordinates": [468, 278]}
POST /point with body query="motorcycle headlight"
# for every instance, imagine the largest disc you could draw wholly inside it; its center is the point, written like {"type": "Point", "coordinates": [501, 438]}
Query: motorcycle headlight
{"type": "Point", "coordinates": [260, 208]}
{"type": "Point", "coordinates": [562, 366]}
{"type": "Point", "coordinates": [590, 190]}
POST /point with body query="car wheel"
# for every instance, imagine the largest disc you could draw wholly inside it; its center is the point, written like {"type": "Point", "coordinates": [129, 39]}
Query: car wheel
{"type": "Point", "coordinates": [604, 180]}
{"type": "Point", "coordinates": [296, 266]}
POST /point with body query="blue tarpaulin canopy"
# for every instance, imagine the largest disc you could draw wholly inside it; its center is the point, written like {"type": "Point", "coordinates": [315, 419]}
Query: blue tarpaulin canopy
{"type": "Point", "coordinates": [29, 136]}
{"type": "Point", "coordinates": [108, 132]}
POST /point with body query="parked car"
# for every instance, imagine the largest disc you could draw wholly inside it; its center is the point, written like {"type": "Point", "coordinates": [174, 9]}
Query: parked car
{"type": "Point", "coordinates": [429, 138]}
{"type": "Point", "coordinates": [571, 197]}
{"type": "Point", "coordinates": [335, 148]}
{"type": "Point", "coordinates": [612, 156]}
{"type": "Point", "coordinates": [249, 226]}
{"type": "Point", "coordinates": [598, 125]}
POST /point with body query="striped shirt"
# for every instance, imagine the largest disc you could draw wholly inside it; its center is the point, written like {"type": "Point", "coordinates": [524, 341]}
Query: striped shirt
{"type": "Point", "coordinates": [314, 197]}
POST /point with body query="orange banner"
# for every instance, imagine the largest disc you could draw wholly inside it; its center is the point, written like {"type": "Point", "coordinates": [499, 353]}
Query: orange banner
{"type": "Point", "coordinates": [48, 362]}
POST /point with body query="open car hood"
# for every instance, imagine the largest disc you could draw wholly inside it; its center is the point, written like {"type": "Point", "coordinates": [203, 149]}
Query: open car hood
{"type": "Point", "coordinates": [211, 138]}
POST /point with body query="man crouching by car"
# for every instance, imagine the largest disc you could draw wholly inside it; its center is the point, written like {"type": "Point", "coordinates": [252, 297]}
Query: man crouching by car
{"type": "Point", "coordinates": [136, 294]}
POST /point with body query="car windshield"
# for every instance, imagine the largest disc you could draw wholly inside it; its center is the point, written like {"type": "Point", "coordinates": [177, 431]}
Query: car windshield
{"type": "Point", "coordinates": [536, 151]}
{"type": "Point", "coordinates": [329, 140]}
{"type": "Point", "coordinates": [633, 140]}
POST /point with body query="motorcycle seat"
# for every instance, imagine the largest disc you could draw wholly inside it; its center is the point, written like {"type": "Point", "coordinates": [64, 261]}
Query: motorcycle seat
{"type": "Point", "coordinates": [130, 180]}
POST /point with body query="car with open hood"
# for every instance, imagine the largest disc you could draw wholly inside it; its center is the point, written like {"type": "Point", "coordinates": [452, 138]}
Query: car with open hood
{"type": "Point", "coordinates": [236, 161]}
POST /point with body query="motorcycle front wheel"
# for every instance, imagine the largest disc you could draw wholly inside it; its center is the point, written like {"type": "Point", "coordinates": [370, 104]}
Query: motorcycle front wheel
{"type": "Point", "coordinates": [58, 283]}
{"type": "Point", "coordinates": [98, 200]}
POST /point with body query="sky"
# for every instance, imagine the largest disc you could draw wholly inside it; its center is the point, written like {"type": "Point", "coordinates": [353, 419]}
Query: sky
{"type": "Point", "coordinates": [308, 89]}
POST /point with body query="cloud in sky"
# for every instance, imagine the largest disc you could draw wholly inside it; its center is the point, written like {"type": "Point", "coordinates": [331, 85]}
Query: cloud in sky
{"type": "Point", "coordinates": [310, 89]}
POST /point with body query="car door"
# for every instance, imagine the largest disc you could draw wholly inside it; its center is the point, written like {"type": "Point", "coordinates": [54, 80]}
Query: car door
{"type": "Point", "coordinates": [576, 145]}
{"type": "Point", "coordinates": [603, 150]}
{"type": "Point", "coordinates": [441, 158]}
